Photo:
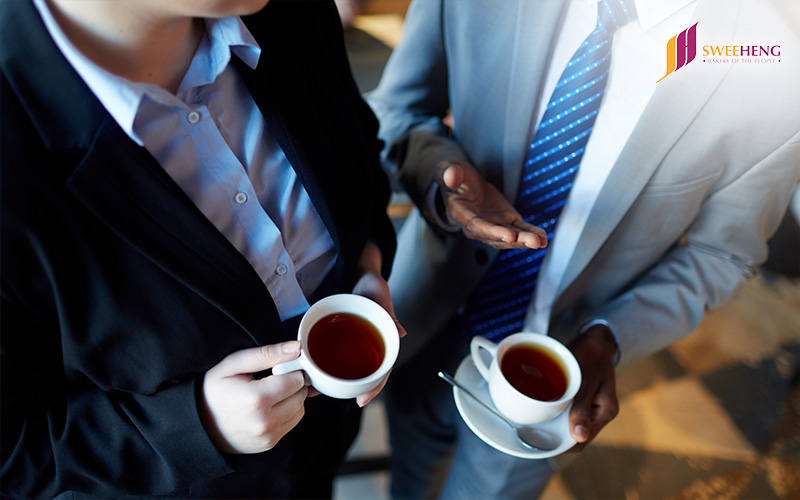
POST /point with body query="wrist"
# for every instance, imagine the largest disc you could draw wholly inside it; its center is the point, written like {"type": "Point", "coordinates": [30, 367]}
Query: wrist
{"type": "Point", "coordinates": [436, 207]}
{"type": "Point", "coordinates": [602, 340]}
{"type": "Point", "coordinates": [208, 421]}
{"type": "Point", "coordinates": [370, 260]}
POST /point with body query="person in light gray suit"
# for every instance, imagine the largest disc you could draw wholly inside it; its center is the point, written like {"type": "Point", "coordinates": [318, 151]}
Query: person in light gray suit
{"type": "Point", "coordinates": [685, 176]}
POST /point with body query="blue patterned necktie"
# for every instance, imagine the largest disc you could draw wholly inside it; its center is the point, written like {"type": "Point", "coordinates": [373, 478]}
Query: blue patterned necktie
{"type": "Point", "coordinates": [497, 307]}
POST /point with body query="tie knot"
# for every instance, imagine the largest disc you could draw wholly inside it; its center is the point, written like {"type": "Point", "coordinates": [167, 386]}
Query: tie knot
{"type": "Point", "coordinates": [614, 14]}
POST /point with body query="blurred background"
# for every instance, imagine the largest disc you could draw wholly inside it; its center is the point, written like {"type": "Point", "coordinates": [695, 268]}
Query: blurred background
{"type": "Point", "coordinates": [714, 416]}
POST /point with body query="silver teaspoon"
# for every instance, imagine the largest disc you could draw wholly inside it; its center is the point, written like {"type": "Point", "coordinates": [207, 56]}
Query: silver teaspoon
{"type": "Point", "coordinates": [530, 437]}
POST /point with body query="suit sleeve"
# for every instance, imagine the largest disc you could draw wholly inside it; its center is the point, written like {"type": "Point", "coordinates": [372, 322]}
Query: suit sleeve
{"type": "Point", "coordinates": [722, 248]}
{"type": "Point", "coordinates": [59, 436]}
{"type": "Point", "coordinates": [411, 100]}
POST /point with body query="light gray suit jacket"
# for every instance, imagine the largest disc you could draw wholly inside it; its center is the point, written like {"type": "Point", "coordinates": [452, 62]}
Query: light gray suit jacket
{"type": "Point", "coordinates": [685, 214]}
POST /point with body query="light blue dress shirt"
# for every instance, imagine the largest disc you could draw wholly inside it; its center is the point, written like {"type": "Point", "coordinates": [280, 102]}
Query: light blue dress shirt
{"type": "Point", "coordinates": [213, 142]}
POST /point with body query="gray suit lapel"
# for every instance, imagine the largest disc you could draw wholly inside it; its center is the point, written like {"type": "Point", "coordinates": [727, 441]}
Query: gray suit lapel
{"type": "Point", "coordinates": [536, 34]}
{"type": "Point", "coordinates": [671, 110]}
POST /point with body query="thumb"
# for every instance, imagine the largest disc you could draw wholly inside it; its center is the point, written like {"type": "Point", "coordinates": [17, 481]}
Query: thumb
{"type": "Point", "coordinates": [257, 359]}
{"type": "Point", "coordinates": [579, 417]}
{"type": "Point", "coordinates": [453, 176]}
{"type": "Point", "coordinates": [449, 175]}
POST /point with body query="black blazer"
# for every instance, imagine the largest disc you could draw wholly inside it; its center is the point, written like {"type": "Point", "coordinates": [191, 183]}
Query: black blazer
{"type": "Point", "coordinates": [117, 293]}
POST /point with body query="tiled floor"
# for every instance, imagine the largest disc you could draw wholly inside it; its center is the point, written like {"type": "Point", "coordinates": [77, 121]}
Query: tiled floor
{"type": "Point", "coordinates": [716, 415]}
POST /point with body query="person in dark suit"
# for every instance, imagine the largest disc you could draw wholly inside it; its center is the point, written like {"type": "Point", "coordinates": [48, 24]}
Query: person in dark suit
{"type": "Point", "coordinates": [178, 185]}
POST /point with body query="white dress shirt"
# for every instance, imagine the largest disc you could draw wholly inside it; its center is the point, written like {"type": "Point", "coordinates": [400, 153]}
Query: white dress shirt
{"type": "Point", "coordinates": [637, 62]}
{"type": "Point", "coordinates": [213, 142]}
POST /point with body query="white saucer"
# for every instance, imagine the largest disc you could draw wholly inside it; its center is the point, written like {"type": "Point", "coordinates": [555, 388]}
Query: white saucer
{"type": "Point", "coordinates": [494, 431]}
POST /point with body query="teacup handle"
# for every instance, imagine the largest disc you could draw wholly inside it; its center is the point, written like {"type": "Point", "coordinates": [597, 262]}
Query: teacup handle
{"type": "Point", "coordinates": [291, 366]}
{"type": "Point", "coordinates": [475, 346]}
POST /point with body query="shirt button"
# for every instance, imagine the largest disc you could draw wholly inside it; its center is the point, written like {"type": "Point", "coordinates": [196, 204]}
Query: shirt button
{"type": "Point", "coordinates": [281, 269]}
{"type": "Point", "coordinates": [193, 117]}
{"type": "Point", "coordinates": [240, 198]}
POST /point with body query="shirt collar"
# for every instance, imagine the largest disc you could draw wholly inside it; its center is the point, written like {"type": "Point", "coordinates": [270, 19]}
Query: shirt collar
{"type": "Point", "coordinates": [122, 98]}
{"type": "Point", "coordinates": [223, 37]}
{"type": "Point", "coordinates": [232, 32]}
{"type": "Point", "coordinates": [651, 13]}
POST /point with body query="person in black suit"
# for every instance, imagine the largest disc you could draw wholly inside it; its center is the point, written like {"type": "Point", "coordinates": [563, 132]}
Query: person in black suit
{"type": "Point", "coordinates": [142, 307]}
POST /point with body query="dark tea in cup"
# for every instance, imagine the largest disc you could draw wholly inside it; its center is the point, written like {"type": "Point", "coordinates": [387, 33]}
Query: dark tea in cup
{"type": "Point", "coordinates": [349, 345]}
{"type": "Point", "coordinates": [346, 346]}
{"type": "Point", "coordinates": [534, 371]}
{"type": "Point", "coordinates": [532, 377]}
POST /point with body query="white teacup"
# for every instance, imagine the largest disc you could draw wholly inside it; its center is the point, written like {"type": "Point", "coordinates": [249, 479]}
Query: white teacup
{"type": "Point", "coordinates": [347, 375]}
{"type": "Point", "coordinates": [513, 402]}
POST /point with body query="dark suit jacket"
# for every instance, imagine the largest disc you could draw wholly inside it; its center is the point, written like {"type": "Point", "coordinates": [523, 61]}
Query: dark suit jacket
{"type": "Point", "coordinates": [117, 294]}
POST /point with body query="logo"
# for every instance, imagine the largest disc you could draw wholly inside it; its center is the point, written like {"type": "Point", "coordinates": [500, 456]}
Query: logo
{"type": "Point", "coordinates": [681, 50]}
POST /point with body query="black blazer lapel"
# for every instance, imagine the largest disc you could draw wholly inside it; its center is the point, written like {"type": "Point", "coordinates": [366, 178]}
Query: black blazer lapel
{"type": "Point", "coordinates": [295, 136]}
{"type": "Point", "coordinates": [129, 191]}
{"type": "Point", "coordinates": [305, 96]}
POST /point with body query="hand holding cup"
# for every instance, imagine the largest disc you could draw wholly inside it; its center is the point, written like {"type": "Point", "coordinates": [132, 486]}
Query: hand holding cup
{"type": "Point", "coordinates": [349, 344]}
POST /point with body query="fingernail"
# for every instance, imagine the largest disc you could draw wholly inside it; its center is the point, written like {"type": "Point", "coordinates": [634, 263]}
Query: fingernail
{"type": "Point", "coordinates": [290, 347]}
{"type": "Point", "coordinates": [581, 432]}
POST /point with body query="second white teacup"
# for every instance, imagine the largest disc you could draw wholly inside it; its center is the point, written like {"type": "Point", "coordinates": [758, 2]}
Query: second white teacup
{"type": "Point", "coordinates": [348, 345]}
{"type": "Point", "coordinates": [532, 377]}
